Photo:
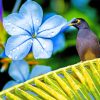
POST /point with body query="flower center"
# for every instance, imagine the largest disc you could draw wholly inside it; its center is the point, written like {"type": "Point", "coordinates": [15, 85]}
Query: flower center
{"type": "Point", "coordinates": [34, 36]}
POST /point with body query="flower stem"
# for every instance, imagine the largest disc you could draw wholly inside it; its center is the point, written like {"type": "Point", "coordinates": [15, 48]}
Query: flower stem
{"type": "Point", "coordinates": [16, 6]}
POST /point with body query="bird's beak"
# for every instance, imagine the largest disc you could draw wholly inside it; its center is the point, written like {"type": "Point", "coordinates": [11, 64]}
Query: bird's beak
{"type": "Point", "coordinates": [71, 24]}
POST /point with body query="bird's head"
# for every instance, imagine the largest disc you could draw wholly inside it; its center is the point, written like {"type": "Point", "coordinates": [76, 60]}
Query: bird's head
{"type": "Point", "coordinates": [79, 23]}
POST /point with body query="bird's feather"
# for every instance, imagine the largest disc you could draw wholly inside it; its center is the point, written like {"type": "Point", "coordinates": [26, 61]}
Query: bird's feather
{"type": "Point", "coordinates": [87, 45]}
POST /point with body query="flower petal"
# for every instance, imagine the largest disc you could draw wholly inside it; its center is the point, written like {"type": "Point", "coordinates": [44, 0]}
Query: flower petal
{"type": "Point", "coordinates": [1, 10]}
{"type": "Point", "coordinates": [10, 84]}
{"type": "Point", "coordinates": [39, 69]}
{"type": "Point", "coordinates": [19, 70]}
{"type": "Point", "coordinates": [58, 42]}
{"type": "Point", "coordinates": [42, 48]}
{"type": "Point", "coordinates": [18, 47]}
{"type": "Point", "coordinates": [16, 24]}
{"type": "Point", "coordinates": [33, 12]}
{"type": "Point", "coordinates": [52, 26]}
{"type": "Point", "coordinates": [48, 15]}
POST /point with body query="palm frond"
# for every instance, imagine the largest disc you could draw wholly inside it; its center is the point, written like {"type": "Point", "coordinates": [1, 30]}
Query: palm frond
{"type": "Point", "coordinates": [76, 82]}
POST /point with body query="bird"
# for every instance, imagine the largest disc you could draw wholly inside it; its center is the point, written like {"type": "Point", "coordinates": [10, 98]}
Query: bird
{"type": "Point", "coordinates": [87, 43]}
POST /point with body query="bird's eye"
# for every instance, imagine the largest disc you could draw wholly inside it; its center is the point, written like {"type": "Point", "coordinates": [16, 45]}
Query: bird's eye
{"type": "Point", "coordinates": [75, 21]}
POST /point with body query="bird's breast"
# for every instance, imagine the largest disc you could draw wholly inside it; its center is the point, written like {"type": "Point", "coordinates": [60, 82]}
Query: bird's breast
{"type": "Point", "coordinates": [89, 55]}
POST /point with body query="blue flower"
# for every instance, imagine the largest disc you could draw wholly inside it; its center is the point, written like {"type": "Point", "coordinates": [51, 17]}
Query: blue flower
{"type": "Point", "coordinates": [29, 33]}
{"type": "Point", "coordinates": [59, 42]}
{"type": "Point", "coordinates": [59, 39]}
{"type": "Point", "coordinates": [0, 10]}
{"type": "Point", "coordinates": [19, 72]}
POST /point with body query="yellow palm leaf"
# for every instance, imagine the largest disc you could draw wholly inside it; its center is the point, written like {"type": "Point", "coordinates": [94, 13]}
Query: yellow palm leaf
{"type": "Point", "coordinates": [76, 82]}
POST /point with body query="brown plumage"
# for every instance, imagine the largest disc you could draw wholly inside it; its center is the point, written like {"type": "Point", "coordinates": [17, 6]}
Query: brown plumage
{"type": "Point", "coordinates": [87, 43]}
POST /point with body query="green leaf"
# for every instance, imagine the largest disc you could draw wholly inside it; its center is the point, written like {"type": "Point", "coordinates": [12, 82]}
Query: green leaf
{"type": "Point", "coordinates": [76, 82]}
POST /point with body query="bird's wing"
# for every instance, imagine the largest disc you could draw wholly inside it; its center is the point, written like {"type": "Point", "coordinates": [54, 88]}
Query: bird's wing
{"type": "Point", "coordinates": [95, 44]}
{"type": "Point", "coordinates": [88, 45]}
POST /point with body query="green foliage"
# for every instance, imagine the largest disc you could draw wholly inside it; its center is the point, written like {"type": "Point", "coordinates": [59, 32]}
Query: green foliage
{"type": "Point", "coordinates": [76, 82]}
